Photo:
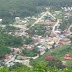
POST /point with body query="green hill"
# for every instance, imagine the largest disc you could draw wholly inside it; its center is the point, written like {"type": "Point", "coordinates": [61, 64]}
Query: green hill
{"type": "Point", "coordinates": [58, 53]}
{"type": "Point", "coordinates": [22, 8]}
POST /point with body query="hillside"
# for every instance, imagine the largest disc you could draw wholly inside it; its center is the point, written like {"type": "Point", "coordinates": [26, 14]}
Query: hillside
{"type": "Point", "coordinates": [12, 8]}
{"type": "Point", "coordinates": [35, 36]}
{"type": "Point", "coordinates": [58, 53]}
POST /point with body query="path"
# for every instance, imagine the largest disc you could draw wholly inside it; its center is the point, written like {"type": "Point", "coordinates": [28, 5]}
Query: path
{"type": "Point", "coordinates": [12, 59]}
{"type": "Point", "coordinates": [39, 19]}
{"type": "Point", "coordinates": [25, 62]}
{"type": "Point", "coordinates": [69, 29]}
{"type": "Point", "coordinates": [55, 25]}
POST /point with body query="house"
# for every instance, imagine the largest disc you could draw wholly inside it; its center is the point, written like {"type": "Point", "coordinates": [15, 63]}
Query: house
{"type": "Point", "coordinates": [0, 20]}
{"type": "Point", "coordinates": [64, 41]}
{"type": "Point", "coordinates": [50, 39]}
{"type": "Point", "coordinates": [57, 12]}
{"type": "Point", "coordinates": [68, 57]}
{"type": "Point", "coordinates": [16, 50]}
{"type": "Point", "coordinates": [41, 48]}
{"type": "Point", "coordinates": [51, 43]}
{"type": "Point", "coordinates": [10, 64]}
{"type": "Point", "coordinates": [53, 35]}
{"type": "Point", "coordinates": [17, 19]}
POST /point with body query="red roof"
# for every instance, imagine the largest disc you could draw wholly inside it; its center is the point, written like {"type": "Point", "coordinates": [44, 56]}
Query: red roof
{"type": "Point", "coordinates": [7, 57]}
{"type": "Point", "coordinates": [68, 57]}
{"type": "Point", "coordinates": [49, 58]}
{"type": "Point", "coordinates": [53, 34]}
{"type": "Point", "coordinates": [36, 40]}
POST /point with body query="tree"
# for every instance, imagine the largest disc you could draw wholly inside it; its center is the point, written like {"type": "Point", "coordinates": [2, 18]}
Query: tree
{"type": "Point", "coordinates": [56, 64]}
{"type": "Point", "coordinates": [4, 50]}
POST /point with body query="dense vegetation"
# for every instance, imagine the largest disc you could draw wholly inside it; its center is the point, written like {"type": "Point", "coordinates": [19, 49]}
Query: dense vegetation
{"type": "Point", "coordinates": [16, 66]}
{"type": "Point", "coordinates": [40, 68]}
{"type": "Point", "coordinates": [11, 8]}
{"type": "Point", "coordinates": [3, 50]}
{"type": "Point", "coordinates": [30, 53]}
{"type": "Point", "coordinates": [10, 29]}
{"type": "Point", "coordinates": [66, 23]}
{"type": "Point", "coordinates": [8, 40]}
{"type": "Point", "coordinates": [27, 40]}
{"type": "Point", "coordinates": [40, 29]}
{"type": "Point", "coordinates": [58, 53]}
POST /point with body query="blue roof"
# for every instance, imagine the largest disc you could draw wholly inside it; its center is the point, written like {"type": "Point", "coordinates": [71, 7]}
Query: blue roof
{"type": "Point", "coordinates": [62, 36]}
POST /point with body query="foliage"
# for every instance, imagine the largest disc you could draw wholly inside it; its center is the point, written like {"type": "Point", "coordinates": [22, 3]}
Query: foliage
{"type": "Point", "coordinates": [7, 20]}
{"type": "Point", "coordinates": [57, 53]}
{"type": "Point", "coordinates": [8, 40]}
{"type": "Point", "coordinates": [39, 29]}
{"type": "Point", "coordinates": [4, 70]}
{"type": "Point", "coordinates": [22, 8]}
{"type": "Point", "coordinates": [71, 29]}
{"type": "Point", "coordinates": [16, 66]}
{"type": "Point", "coordinates": [4, 50]}
{"type": "Point", "coordinates": [30, 53]}
{"type": "Point", "coordinates": [65, 24]}
{"type": "Point", "coordinates": [28, 40]}
{"type": "Point", "coordinates": [40, 68]}
{"type": "Point", "coordinates": [56, 63]}
{"type": "Point", "coordinates": [10, 29]}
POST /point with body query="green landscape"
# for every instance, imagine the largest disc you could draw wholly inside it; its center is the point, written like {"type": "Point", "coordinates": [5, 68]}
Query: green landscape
{"type": "Point", "coordinates": [35, 35]}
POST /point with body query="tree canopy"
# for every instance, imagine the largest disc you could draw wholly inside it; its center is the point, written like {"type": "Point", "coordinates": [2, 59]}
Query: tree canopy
{"type": "Point", "coordinates": [22, 8]}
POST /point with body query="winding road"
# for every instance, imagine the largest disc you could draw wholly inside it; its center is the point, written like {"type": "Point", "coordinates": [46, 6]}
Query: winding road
{"type": "Point", "coordinates": [39, 19]}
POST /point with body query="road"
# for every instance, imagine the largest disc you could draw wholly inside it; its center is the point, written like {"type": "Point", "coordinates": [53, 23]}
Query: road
{"type": "Point", "coordinates": [55, 25]}
{"type": "Point", "coordinates": [39, 19]}
{"type": "Point", "coordinates": [25, 62]}
{"type": "Point", "coordinates": [12, 59]}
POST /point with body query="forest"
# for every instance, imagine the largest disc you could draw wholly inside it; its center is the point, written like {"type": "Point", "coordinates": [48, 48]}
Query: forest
{"type": "Point", "coordinates": [22, 8]}
{"type": "Point", "coordinates": [8, 41]}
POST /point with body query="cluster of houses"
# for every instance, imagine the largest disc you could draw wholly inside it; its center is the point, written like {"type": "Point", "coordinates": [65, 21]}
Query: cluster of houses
{"type": "Point", "coordinates": [59, 38]}
{"type": "Point", "coordinates": [66, 8]}
{"type": "Point", "coordinates": [55, 39]}
{"type": "Point", "coordinates": [25, 20]}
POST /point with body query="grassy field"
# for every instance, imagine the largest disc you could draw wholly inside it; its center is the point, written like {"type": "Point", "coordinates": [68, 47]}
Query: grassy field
{"type": "Point", "coordinates": [58, 53]}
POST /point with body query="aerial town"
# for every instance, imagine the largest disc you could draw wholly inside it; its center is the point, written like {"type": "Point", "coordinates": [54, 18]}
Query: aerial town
{"type": "Point", "coordinates": [51, 37]}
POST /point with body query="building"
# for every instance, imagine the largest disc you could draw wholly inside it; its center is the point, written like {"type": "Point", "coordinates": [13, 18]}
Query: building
{"type": "Point", "coordinates": [17, 19]}
{"type": "Point", "coordinates": [0, 20]}
{"type": "Point", "coordinates": [68, 57]}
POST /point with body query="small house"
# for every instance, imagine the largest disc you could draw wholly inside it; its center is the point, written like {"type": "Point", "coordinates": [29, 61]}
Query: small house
{"type": "Point", "coordinates": [68, 57]}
